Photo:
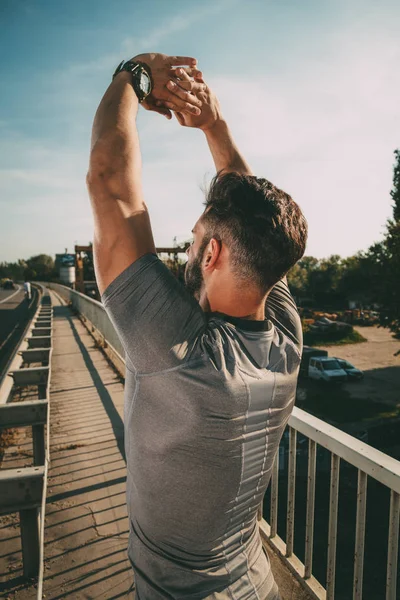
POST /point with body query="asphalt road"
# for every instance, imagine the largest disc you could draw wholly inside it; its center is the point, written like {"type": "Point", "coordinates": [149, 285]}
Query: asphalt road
{"type": "Point", "coordinates": [6, 296]}
{"type": "Point", "coordinates": [13, 317]}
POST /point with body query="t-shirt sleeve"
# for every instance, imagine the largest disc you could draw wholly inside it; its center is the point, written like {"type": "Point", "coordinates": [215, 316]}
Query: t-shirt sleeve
{"type": "Point", "coordinates": [281, 309]}
{"type": "Point", "coordinates": [157, 320]}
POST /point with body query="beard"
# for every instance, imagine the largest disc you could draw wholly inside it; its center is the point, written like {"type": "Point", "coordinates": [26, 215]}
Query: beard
{"type": "Point", "coordinates": [193, 274]}
{"type": "Point", "coordinates": [194, 277]}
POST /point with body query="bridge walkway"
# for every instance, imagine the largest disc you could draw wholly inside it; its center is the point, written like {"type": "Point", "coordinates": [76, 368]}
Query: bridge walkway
{"type": "Point", "coordinates": [86, 525]}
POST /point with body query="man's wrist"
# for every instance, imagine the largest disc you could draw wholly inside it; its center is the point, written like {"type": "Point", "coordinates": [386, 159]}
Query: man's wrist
{"type": "Point", "coordinates": [121, 84]}
{"type": "Point", "coordinates": [219, 127]}
{"type": "Point", "coordinates": [123, 76]}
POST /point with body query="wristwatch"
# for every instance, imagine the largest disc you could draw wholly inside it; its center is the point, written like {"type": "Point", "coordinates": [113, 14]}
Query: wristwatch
{"type": "Point", "coordinates": [141, 77]}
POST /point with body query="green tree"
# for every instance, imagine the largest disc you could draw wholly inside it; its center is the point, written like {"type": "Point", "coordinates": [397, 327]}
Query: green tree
{"type": "Point", "coordinates": [299, 276]}
{"type": "Point", "coordinates": [389, 291]}
{"type": "Point", "coordinates": [40, 268]}
{"type": "Point", "coordinates": [324, 282]}
{"type": "Point", "coordinates": [386, 258]}
{"type": "Point", "coordinates": [395, 192]}
{"type": "Point", "coordinates": [14, 271]}
{"type": "Point", "coordinates": [360, 275]}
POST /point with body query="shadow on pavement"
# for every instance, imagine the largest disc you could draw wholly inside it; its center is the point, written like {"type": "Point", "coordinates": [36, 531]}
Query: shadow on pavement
{"type": "Point", "coordinates": [112, 413]}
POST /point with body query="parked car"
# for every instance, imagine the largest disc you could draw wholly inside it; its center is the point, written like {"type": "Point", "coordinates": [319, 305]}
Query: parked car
{"type": "Point", "coordinates": [351, 370]}
{"type": "Point", "coordinates": [308, 353]}
{"type": "Point", "coordinates": [324, 325]}
{"type": "Point", "coordinates": [8, 284]}
{"type": "Point", "coordinates": [325, 368]}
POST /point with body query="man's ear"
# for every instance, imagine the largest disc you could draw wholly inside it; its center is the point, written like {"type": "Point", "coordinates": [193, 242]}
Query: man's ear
{"type": "Point", "coordinates": [212, 254]}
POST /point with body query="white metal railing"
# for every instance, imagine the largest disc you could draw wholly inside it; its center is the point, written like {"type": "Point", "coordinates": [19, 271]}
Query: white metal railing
{"type": "Point", "coordinates": [369, 463]}
{"type": "Point", "coordinates": [93, 311]}
{"type": "Point", "coordinates": [342, 446]}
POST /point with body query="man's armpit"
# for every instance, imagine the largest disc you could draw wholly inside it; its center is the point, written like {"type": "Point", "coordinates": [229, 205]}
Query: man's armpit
{"type": "Point", "coordinates": [120, 243]}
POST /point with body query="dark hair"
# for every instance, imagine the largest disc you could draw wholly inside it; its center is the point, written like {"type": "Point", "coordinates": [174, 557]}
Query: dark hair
{"type": "Point", "coordinates": [262, 226]}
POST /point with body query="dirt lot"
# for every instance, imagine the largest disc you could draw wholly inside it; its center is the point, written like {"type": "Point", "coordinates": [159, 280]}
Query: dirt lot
{"type": "Point", "coordinates": [372, 404]}
{"type": "Point", "coordinates": [377, 359]}
{"type": "Point", "coordinates": [370, 411]}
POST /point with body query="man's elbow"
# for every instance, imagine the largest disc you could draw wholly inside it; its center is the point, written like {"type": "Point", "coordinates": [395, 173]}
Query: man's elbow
{"type": "Point", "coordinates": [94, 178]}
{"type": "Point", "coordinates": [100, 161]}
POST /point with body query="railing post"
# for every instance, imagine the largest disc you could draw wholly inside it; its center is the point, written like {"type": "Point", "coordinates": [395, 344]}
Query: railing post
{"type": "Point", "coordinates": [332, 535]}
{"type": "Point", "coordinates": [291, 491]}
{"type": "Point", "coordinates": [29, 522]}
{"type": "Point", "coordinates": [39, 450]}
{"type": "Point", "coordinates": [393, 545]}
{"type": "Point", "coordinates": [309, 545]}
{"type": "Point", "coordinates": [360, 536]}
{"type": "Point", "coordinates": [274, 495]}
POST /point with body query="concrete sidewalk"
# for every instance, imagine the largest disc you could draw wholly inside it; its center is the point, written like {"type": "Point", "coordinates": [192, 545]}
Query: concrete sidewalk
{"type": "Point", "coordinates": [86, 524]}
{"type": "Point", "coordinates": [86, 527]}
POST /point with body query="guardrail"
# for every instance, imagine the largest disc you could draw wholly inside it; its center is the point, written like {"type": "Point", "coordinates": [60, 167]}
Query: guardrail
{"type": "Point", "coordinates": [99, 322]}
{"type": "Point", "coordinates": [24, 489]}
{"type": "Point", "coordinates": [342, 446]}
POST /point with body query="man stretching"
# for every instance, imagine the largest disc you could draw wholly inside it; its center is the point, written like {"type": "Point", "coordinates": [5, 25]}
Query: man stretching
{"type": "Point", "coordinates": [210, 382]}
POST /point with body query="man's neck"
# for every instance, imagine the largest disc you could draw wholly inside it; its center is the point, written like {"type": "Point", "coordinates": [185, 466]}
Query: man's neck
{"type": "Point", "coordinates": [238, 307]}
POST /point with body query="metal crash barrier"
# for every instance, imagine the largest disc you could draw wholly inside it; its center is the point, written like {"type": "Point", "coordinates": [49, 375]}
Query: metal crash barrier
{"type": "Point", "coordinates": [23, 490]}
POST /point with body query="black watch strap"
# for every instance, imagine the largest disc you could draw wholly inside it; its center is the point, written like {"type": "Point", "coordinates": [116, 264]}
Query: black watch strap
{"type": "Point", "coordinates": [136, 68]}
{"type": "Point", "coordinates": [128, 65]}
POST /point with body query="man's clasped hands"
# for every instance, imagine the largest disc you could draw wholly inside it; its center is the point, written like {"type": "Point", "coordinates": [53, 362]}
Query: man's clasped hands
{"type": "Point", "coordinates": [180, 89]}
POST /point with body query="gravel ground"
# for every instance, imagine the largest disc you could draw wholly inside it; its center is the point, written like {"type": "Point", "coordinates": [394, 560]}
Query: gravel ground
{"type": "Point", "coordinates": [377, 358]}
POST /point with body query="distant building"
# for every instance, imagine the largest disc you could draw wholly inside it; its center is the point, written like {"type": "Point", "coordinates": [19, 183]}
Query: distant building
{"type": "Point", "coordinates": [65, 264]}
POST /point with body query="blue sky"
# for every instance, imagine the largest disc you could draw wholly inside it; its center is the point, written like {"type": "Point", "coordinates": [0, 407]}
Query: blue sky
{"type": "Point", "coordinates": [311, 91]}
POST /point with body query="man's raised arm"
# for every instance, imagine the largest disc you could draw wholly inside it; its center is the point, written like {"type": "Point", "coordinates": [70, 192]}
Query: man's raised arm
{"type": "Point", "coordinates": [122, 225]}
{"type": "Point", "coordinates": [224, 151]}
{"type": "Point", "coordinates": [280, 305]}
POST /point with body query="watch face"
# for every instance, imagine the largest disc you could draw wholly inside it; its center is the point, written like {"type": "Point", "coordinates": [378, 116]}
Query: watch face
{"type": "Point", "coordinates": [145, 83]}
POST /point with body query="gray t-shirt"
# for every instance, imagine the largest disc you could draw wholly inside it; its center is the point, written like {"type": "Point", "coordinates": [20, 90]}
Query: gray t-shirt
{"type": "Point", "coordinates": [207, 398]}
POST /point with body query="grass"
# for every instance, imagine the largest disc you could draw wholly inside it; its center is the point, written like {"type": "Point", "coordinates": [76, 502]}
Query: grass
{"type": "Point", "coordinates": [312, 339]}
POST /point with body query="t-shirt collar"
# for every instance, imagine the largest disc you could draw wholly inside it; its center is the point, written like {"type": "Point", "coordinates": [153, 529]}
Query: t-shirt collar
{"type": "Point", "coordinates": [245, 324]}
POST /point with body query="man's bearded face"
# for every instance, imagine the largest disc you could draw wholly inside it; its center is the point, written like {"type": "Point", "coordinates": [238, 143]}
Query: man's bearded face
{"type": "Point", "coordinates": [193, 274]}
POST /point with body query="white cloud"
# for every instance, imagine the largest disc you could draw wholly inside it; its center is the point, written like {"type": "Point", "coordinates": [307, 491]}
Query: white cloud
{"type": "Point", "coordinates": [325, 132]}
{"type": "Point", "coordinates": [151, 40]}
{"type": "Point", "coordinates": [327, 136]}
{"type": "Point", "coordinates": [176, 24]}
{"type": "Point", "coordinates": [36, 177]}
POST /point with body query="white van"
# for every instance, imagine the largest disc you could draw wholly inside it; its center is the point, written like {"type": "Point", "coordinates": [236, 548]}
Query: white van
{"type": "Point", "coordinates": [325, 368]}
